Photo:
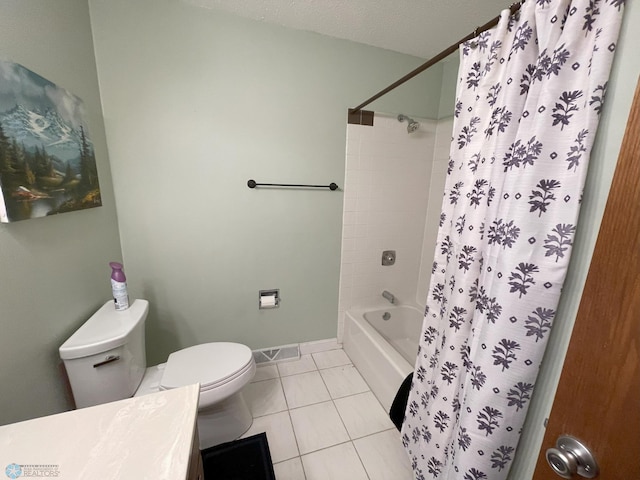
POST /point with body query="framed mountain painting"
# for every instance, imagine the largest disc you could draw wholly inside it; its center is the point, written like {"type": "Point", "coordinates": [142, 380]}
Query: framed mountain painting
{"type": "Point", "coordinates": [47, 162]}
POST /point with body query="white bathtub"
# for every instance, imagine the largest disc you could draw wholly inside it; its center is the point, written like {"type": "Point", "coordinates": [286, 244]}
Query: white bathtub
{"type": "Point", "coordinates": [383, 351]}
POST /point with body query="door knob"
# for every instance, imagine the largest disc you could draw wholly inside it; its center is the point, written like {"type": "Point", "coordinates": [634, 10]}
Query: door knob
{"type": "Point", "coordinates": [570, 457]}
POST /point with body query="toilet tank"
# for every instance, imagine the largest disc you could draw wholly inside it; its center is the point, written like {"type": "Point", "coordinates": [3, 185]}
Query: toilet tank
{"type": "Point", "coordinates": [105, 358]}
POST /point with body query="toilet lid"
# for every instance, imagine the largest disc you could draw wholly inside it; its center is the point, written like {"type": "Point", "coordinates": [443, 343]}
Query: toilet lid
{"type": "Point", "coordinates": [206, 364]}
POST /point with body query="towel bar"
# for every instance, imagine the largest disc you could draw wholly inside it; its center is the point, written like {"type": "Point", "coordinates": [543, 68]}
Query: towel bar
{"type": "Point", "coordinates": [254, 184]}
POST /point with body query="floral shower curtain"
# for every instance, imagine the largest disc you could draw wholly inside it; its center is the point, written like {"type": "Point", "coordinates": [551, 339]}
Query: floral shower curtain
{"type": "Point", "coordinates": [529, 97]}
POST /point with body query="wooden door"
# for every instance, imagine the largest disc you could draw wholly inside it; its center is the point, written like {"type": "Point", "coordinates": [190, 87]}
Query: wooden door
{"type": "Point", "coordinates": [598, 399]}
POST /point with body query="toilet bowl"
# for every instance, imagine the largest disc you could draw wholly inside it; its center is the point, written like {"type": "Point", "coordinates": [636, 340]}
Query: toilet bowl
{"type": "Point", "coordinates": [222, 369]}
{"type": "Point", "coordinates": [105, 361]}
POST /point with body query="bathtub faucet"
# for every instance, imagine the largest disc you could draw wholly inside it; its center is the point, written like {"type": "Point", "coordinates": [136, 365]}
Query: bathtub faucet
{"type": "Point", "coordinates": [389, 296]}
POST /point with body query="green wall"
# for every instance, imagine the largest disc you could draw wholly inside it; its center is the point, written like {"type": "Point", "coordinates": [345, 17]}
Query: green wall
{"type": "Point", "coordinates": [197, 102]}
{"type": "Point", "coordinates": [449, 82]}
{"type": "Point", "coordinates": [53, 271]}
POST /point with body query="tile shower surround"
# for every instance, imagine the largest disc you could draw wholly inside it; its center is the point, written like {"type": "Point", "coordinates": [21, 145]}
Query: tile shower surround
{"type": "Point", "coordinates": [392, 199]}
{"type": "Point", "coordinates": [323, 422]}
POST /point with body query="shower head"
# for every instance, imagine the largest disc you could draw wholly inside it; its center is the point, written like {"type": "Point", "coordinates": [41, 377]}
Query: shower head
{"type": "Point", "coordinates": [412, 125]}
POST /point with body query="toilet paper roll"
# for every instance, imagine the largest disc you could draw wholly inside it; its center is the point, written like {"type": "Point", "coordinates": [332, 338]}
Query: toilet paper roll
{"type": "Point", "coordinates": [268, 301]}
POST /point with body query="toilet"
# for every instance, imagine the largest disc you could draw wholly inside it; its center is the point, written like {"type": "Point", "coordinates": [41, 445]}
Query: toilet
{"type": "Point", "coordinates": [105, 361]}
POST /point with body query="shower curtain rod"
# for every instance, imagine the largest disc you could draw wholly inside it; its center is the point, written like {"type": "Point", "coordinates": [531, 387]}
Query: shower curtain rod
{"type": "Point", "coordinates": [445, 53]}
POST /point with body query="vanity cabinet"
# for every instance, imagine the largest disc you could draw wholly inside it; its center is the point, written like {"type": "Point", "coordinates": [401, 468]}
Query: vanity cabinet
{"type": "Point", "coordinates": [148, 437]}
{"type": "Point", "coordinates": [195, 462]}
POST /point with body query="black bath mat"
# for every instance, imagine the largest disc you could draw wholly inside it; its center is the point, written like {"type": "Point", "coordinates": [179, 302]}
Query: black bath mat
{"type": "Point", "coordinates": [399, 404]}
{"type": "Point", "coordinates": [245, 459]}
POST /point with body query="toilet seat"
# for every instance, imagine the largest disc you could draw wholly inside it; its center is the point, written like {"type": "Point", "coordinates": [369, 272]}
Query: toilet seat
{"type": "Point", "coordinates": [221, 369]}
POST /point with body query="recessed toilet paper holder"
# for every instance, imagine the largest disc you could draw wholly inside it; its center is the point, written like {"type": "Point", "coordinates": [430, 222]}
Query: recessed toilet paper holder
{"type": "Point", "coordinates": [269, 298]}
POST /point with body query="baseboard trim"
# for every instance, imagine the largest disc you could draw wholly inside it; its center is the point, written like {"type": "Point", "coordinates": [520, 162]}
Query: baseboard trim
{"type": "Point", "coordinates": [319, 346]}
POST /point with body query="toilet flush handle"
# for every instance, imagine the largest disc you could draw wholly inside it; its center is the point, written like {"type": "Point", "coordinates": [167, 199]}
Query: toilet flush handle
{"type": "Point", "coordinates": [109, 359]}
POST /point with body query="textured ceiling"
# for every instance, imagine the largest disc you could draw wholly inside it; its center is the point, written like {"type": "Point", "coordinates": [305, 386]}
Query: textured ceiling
{"type": "Point", "coordinates": [417, 27]}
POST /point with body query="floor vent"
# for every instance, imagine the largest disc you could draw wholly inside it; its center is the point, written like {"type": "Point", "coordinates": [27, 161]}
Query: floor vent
{"type": "Point", "coordinates": [276, 354]}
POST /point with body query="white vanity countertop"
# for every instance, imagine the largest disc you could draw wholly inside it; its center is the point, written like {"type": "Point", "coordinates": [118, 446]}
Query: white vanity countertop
{"type": "Point", "coordinates": [147, 437]}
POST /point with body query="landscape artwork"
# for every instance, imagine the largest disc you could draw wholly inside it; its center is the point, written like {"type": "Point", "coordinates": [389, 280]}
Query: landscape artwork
{"type": "Point", "coordinates": [47, 162]}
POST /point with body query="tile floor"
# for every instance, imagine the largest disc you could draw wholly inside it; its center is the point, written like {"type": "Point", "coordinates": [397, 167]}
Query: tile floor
{"type": "Point", "coordinates": [323, 423]}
